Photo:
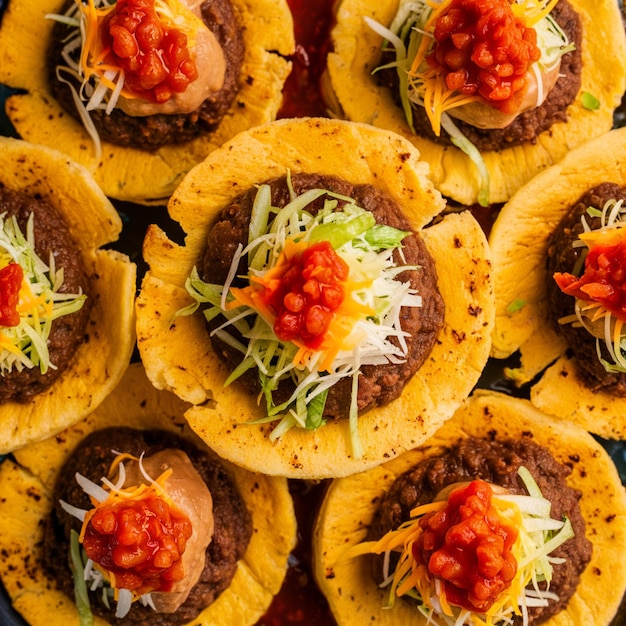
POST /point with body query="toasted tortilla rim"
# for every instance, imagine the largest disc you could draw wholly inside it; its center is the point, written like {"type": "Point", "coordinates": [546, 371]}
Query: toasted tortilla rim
{"type": "Point", "coordinates": [146, 177]}
{"type": "Point", "coordinates": [137, 404]}
{"type": "Point", "coordinates": [350, 503]}
{"type": "Point", "coordinates": [357, 52]}
{"type": "Point", "coordinates": [179, 357]}
{"type": "Point", "coordinates": [518, 243]}
{"type": "Point", "coordinates": [101, 360]}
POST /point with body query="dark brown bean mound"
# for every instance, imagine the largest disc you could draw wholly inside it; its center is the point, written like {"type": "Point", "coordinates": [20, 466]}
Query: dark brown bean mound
{"type": "Point", "coordinates": [52, 236]}
{"type": "Point", "coordinates": [380, 384]}
{"type": "Point", "coordinates": [529, 125]}
{"type": "Point", "coordinates": [232, 532]}
{"type": "Point", "coordinates": [154, 131]}
{"type": "Point", "coordinates": [562, 257]}
{"type": "Point", "coordinates": [496, 462]}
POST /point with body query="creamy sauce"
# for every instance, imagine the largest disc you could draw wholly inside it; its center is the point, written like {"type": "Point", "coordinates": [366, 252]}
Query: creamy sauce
{"type": "Point", "coordinates": [481, 115]}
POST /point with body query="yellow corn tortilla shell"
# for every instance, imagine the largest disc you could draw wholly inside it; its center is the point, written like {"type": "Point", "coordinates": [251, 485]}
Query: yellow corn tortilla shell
{"type": "Point", "coordinates": [599, 413]}
{"type": "Point", "coordinates": [103, 357]}
{"type": "Point", "coordinates": [518, 242]}
{"type": "Point", "coordinates": [27, 486]}
{"type": "Point", "coordinates": [179, 356]}
{"type": "Point", "coordinates": [350, 504]}
{"type": "Point", "coordinates": [127, 173]}
{"type": "Point", "coordinates": [359, 98]}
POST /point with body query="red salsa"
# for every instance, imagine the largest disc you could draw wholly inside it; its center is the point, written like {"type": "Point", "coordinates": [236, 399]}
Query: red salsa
{"type": "Point", "coordinates": [468, 546]}
{"type": "Point", "coordinates": [603, 281]}
{"type": "Point", "coordinates": [11, 277]}
{"type": "Point", "coordinates": [308, 291]}
{"type": "Point", "coordinates": [484, 49]}
{"type": "Point", "coordinates": [140, 541]}
{"type": "Point", "coordinates": [154, 56]}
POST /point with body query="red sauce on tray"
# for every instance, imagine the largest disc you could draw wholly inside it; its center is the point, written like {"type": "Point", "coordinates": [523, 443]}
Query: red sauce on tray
{"type": "Point", "coordinates": [299, 601]}
{"type": "Point", "coordinates": [302, 91]}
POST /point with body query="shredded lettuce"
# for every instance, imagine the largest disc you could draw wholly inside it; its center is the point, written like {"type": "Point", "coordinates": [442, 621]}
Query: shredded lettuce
{"type": "Point", "coordinates": [80, 587]}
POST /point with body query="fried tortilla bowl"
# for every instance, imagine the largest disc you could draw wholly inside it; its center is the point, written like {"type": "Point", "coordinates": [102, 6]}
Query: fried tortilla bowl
{"type": "Point", "coordinates": [104, 355]}
{"type": "Point", "coordinates": [359, 98]}
{"type": "Point", "coordinates": [350, 504]}
{"type": "Point", "coordinates": [127, 173]}
{"type": "Point", "coordinates": [178, 356]}
{"type": "Point", "coordinates": [519, 246]}
{"type": "Point", "coordinates": [27, 485]}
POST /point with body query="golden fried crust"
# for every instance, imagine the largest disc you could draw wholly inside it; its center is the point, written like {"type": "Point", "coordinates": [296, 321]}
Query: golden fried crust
{"type": "Point", "coordinates": [350, 504]}
{"type": "Point", "coordinates": [178, 356]}
{"type": "Point", "coordinates": [518, 241]}
{"type": "Point", "coordinates": [357, 52]}
{"type": "Point", "coordinates": [127, 173]}
{"type": "Point", "coordinates": [27, 486]}
{"type": "Point", "coordinates": [105, 354]}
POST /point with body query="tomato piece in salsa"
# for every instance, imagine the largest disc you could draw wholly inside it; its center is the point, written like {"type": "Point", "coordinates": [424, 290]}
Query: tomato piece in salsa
{"type": "Point", "coordinates": [483, 48]}
{"type": "Point", "coordinates": [11, 277]}
{"type": "Point", "coordinates": [603, 280]}
{"type": "Point", "coordinates": [155, 56]}
{"type": "Point", "coordinates": [469, 547]}
{"type": "Point", "coordinates": [304, 290]}
{"type": "Point", "coordinates": [140, 541]}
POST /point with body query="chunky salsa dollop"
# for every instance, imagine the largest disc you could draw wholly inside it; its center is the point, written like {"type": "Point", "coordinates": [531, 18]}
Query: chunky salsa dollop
{"type": "Point", "coordinates": [483, 48]}
{"type": "Point", "coordinates": [138, 541]}
{"type": "Point", "coordinates": [468, 545]}
{"type": "Point", "coordinates": [154, 54]}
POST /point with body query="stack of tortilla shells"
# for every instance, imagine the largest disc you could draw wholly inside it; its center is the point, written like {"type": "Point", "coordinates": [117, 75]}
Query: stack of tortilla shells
{"type": "Point", "coordinates": [128, 173]}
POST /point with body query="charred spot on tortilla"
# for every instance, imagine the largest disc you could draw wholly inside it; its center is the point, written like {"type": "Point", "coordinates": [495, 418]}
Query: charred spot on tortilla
{"type": "Point", "coordinates": [378, 384]}
{"type": "Point", "coordinates": [585, 336]}
{"type": "Point", "coordinates": [138, 122]}
{"type": "Point", "coordinates": [47, 318]}
{"type": "Point", "coordinates": [495, 462]}
{"type": "Point", "coordinates": [92, 459]}
{"type": "Point", "coordinates": [528, 125]}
